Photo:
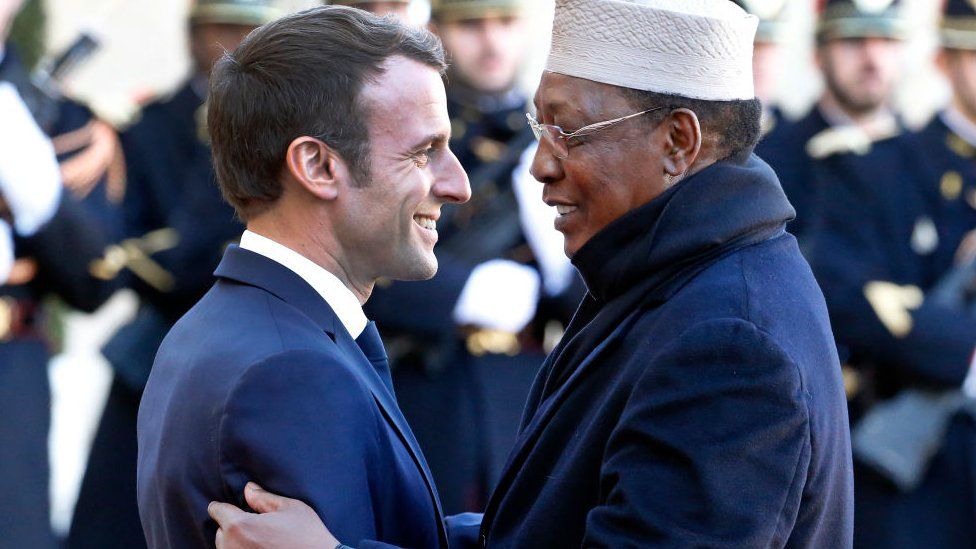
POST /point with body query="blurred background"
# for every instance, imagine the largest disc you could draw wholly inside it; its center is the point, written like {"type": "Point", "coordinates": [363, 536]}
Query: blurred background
{"type": "Point", "coordinates": [144, 57]}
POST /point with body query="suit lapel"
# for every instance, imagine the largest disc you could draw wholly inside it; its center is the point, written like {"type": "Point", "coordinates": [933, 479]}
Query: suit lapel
{"type": "Point", "coordinates": [254, 269]}
{"type": "Point", "coordinates": [391, 411]}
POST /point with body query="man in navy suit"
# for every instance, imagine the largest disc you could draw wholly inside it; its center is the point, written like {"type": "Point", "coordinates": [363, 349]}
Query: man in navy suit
{"type": "Point", "coordinates": [329, 130]}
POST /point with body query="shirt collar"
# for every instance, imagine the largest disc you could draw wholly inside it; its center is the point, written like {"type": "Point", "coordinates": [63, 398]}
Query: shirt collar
{"type": "Point", "coordinates": [342, 301]}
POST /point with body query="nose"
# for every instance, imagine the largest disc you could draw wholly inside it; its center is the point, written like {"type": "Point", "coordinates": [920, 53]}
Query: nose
{"type": "Point", "coordinates": [451, 184]}
{"type": "Point", "coordinates": [546, 168]}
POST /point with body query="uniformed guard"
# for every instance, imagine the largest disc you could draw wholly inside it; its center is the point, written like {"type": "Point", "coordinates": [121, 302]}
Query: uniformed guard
{"type": "Point", "coordinates": [177, 226]}
{"type": "Point", "coordinates": [467, 344]}
{"type": "Point", "coordinates": [896, 264]}
{"type": "Point", "coordinates": [858, 45]}
{"type": "Point", "coordinates": [766, 60]}
{"type": "Point", "coordinates": [56, 237]}
{"type": "Point", "coordinates": [387, 7]}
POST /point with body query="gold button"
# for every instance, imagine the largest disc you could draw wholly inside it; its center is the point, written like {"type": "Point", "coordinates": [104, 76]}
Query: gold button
{"type": "Point", "coordinates": [951, 185]}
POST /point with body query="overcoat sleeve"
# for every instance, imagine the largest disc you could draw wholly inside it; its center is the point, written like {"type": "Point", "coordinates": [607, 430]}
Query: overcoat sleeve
{"type": "Point", "coordinates": [711, 449]}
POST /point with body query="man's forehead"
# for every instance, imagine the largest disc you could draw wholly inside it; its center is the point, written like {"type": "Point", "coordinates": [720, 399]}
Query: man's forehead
{"type": "Point", "coordinates": [407, 100]}
{"type": "Point", "coordinates": [563, 92]}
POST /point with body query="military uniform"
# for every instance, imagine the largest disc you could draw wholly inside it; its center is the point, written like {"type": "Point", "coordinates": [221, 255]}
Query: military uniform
{"type": "Point", "coordinates": [886, 259]}
{"type": "Point", "coordinates": [56, 261]}
{"type": "Point", "coordinates": [792, 147]}
{"type": "Point", "coordinates": [177, 226]}
{"type": "Point", "coordinates": [882, 256]}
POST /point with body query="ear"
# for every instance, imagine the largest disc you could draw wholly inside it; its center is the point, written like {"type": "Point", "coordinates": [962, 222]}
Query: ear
{"type": "Point", "coordinates": [683, 141]}
{"type": "Point", "coordinates": [315, 166]}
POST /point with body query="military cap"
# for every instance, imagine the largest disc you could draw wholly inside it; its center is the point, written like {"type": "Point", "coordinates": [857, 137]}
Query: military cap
{"type": "Point", "coordinates": [958, 27]}
{"type": "Point", "coordinates": [860, 19]}
{"type": "Point", "coordinates": [234, 12]}
{"type": "Point", "coordinates": [454, 10]}
{"type": "Point", "coordinates": [771, 18]}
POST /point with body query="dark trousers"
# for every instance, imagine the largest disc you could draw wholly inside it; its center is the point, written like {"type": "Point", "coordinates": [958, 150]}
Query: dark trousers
{"type": "Point", "coordinates": [25, 417]}
{"type": "Point", "coordinates": [107, 515]}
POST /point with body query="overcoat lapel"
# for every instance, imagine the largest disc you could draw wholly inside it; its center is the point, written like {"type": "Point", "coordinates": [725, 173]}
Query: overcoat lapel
{"type": "Point", "coordinates": [551, 400]}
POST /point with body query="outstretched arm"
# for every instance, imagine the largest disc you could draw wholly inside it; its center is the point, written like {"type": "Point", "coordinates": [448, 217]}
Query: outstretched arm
{"type": "Point", "coordinates": [281, 522]}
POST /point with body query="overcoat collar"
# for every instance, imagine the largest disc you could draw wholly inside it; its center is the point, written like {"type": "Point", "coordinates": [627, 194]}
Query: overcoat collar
{"type": "Point", "coordinates": [247, 267]}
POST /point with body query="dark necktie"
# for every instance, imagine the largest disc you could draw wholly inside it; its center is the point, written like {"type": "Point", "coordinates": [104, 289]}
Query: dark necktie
{"type": "Point", "coordinates": [372, 346]}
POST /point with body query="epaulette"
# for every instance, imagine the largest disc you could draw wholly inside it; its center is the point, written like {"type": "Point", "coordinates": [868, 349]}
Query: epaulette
{"type": "Point", "coordinates": [847, 139]}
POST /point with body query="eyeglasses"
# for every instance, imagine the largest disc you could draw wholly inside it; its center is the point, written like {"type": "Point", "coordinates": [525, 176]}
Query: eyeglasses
{"type": "Point", "coordinates": [558, 139]}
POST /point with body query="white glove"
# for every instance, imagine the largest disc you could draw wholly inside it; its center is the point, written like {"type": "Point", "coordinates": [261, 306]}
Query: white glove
{"type": "Point", "coordinates": [499, 295]}
{"type": "Point", "coordinates": [6, 252]}
{"type": "Point", "coordinates": [30, 179]}
{"type": "Point", "coordinates": [537, 219]}
{"type": "Point", "coordinates": [969, 386]}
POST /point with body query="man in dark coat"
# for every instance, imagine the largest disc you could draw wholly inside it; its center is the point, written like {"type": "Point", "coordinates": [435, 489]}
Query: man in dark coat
{"type": "Point", "coordinates": [857, 51]}
{"type": "Point", "coordinates": [696, 398]}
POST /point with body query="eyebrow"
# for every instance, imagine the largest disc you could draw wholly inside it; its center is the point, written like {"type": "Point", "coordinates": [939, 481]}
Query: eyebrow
{"type": "Point", "coordinates": [440, 139]}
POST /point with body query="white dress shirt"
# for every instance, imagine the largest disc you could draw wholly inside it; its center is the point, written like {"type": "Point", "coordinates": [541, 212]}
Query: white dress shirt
{"type": "Point", "coordinates": [340, 298]}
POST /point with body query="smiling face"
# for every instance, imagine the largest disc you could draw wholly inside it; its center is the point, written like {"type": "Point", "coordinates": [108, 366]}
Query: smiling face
{"type": "Point", "coordinates": [389, 223]}
{"type": "Point", "coordinates": [605, 175]}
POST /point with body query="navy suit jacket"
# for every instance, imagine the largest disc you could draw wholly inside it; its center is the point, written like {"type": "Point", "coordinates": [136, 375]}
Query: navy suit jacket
{"type": "Point", "coordinates": [260, 381]}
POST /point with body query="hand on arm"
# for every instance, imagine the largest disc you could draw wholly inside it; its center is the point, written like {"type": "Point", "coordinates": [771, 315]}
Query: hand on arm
{"type": "Point", "coordinates": [279, 522]}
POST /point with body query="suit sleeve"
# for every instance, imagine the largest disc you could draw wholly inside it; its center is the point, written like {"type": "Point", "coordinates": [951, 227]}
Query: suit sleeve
{"type": "Point", "coordinates": [711, 449]}
{"type": "Point", "coordinates": [853, 248]}
{"type": "Point", "coordinates": [302, 425]}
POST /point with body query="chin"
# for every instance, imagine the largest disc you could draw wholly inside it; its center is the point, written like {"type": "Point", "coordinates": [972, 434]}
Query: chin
{"type": "Point", "coordinates": [418, 268]}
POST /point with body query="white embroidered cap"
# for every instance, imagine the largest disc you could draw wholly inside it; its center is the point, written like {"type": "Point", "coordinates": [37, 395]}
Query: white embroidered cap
{"type": "Point", "coordinates": [700, 49]}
